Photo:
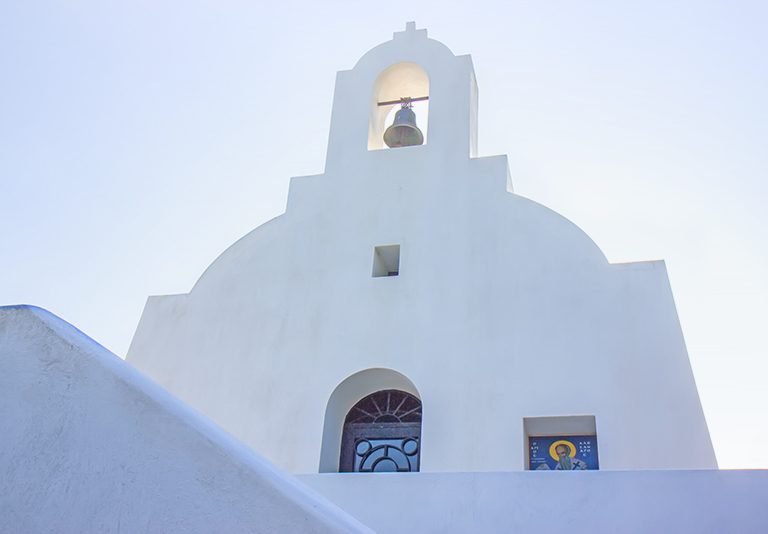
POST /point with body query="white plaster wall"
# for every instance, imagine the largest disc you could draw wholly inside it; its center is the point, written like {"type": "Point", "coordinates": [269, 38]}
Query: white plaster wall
{"type": "Point", "coordinates": [87, 444]}
{"type": "Point", "coordinates": [702, 501]}
{"type": "Point", "coordinates": [502, 310]}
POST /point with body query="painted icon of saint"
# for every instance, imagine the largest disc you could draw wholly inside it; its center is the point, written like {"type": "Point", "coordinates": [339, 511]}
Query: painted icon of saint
{"type": "Point", "coordinates": [565, 458]}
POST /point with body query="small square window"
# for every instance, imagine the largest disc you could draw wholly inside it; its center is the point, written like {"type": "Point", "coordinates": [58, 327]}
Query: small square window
{"type": "Point", "coordinates": [386, 261]}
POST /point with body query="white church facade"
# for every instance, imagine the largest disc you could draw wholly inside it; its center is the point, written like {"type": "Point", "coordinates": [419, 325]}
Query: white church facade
{"type": "Point", "coordinates": [415, 271]}
{"type": "Point", "coordinates": [410, 347]}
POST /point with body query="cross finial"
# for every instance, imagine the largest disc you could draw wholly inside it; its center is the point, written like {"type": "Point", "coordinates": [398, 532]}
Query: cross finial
{"type": "Point", "coordinates": [411, 32]}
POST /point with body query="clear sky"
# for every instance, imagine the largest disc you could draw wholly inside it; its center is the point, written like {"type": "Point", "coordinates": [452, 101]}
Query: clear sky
{"type": "Point", "coordinates": [140, 139]}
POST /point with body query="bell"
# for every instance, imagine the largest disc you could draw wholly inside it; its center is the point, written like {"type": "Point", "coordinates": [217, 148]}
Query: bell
{"type": "Point", "coordinates": [403, 131]}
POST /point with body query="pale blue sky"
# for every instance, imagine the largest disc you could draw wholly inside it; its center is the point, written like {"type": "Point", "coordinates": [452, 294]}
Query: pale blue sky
{"type": "Point", "coordinates": [140, 139]}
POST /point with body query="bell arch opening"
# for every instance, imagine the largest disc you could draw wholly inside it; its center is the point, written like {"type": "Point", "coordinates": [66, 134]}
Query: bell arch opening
{"type": "Point", "coordinates": [400, 86]}
{"type": "Point", "coordinates": [372, 386]}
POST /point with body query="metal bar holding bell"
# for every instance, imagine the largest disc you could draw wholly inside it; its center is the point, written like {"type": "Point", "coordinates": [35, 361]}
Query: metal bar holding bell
{"type": "Point", "coordinates": [403, 100]}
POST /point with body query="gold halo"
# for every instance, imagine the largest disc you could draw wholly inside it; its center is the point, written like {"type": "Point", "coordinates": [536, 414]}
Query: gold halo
{"type": "Point", "coordinates": [553, 452]}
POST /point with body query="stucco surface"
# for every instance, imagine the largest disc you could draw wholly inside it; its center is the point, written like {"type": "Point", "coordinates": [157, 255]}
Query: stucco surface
{"type": "Point", "coordinates": [702, 501]}
{"type": "Point", "coordinates": [87, 444]}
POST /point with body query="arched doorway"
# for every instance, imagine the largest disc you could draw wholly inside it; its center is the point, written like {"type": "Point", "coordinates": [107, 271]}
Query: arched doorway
{"type": "Point", "coordinates": [382, 433]}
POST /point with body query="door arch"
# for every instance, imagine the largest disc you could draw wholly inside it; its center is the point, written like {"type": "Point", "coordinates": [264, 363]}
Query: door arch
{"type": "Point", "coordinates": [343, 398]}
{"type": "Point", "coordinates": [382, 433]}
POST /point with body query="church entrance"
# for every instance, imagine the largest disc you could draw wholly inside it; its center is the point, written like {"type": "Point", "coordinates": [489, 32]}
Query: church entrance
{"type": "Point", "coordinates": [382, 433]}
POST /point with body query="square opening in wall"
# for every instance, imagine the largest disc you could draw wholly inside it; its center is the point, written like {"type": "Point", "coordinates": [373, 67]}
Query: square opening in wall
{"type": "Point", "coordinates": [386, 260]}
{"type": "Point", "coordinates": [561, 443]}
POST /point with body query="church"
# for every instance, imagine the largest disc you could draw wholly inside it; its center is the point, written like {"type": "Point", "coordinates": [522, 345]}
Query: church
{"type": "Point", "coordinates": [412, 346]}
{"type": "Point", "coordinates": [416, 270]}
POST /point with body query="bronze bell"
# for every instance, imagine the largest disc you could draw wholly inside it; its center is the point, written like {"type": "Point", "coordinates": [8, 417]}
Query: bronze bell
{"type": "Point", "coordinates": [404, 131]}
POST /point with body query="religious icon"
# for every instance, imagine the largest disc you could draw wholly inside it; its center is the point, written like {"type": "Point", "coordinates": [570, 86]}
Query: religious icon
{"type": "Point", "coordinates": [563, 453]}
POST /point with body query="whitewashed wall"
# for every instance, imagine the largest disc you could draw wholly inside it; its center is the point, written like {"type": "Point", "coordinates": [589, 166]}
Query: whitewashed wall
{"type": "Point", "coordinates": [87, 444]}
{"type": "Point", "coordinates": [701, 502]}
{"type": "Point", "coordinates": [502, 310]}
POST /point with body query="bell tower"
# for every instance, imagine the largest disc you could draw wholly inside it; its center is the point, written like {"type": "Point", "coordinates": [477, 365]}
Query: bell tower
{"type": "Point", "coordinates": [408, 94]}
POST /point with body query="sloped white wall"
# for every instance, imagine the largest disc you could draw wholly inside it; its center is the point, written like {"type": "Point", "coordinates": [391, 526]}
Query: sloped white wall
{"type": "Point", "coordinates": [87, 444]}
{"type": "Point", "coordinates": [588, 502]}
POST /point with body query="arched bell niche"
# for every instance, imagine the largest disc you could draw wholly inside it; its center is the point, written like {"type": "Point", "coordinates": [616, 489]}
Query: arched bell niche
{"type": "Point", "coordinates": [352, 408]}
{"type": "Point", "coordinates": [401, 80]}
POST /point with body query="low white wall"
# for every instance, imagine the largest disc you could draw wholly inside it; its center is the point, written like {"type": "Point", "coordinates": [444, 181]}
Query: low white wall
{"type": "Point", "coordinates": [87, 444]}
{"type": "Point", "coordinates": [701, 501]}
